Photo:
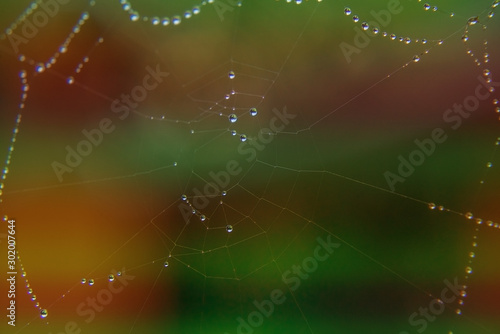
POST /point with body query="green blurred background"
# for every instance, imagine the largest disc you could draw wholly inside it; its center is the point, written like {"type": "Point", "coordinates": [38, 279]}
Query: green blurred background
{"type": "Point", "coordinates": [324, 175]}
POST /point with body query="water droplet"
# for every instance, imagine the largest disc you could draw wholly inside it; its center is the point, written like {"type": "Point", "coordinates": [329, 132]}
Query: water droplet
{"type": "Point", "coordinates": [231, 74]}
{"type": "Point", "coordinates": [40, 67]}
{"type": "Point", "coordinates": [416, 59]}
{"type": "Point", "coordinates": [393, 36]}
{"type": "Point", "coordinates": [233, 118]}
{"type": "Point", "coordinates": [427, 6]}
{"type": "Point", "coordinates": [473, 20]}
{"type": "Point", "coordinates": [355, 18]}
{"type": "Point", "coordinates": [432, 206]}
{"type": "Point", "coordinates": [458, 311]}
{"type": "Point", "coordinates": [468, 270]}
{"type": "Point", "coordinates": [44, 313]}
{"type": "Point", "coordinates": [472, 254]}
{"type": "Point", "coordinates": [134, 17]}
{"type": "Point", "coordinates": [469, 215]}
{"type": "Point", "coordinates": [441, 208]}
{"type": "Point", "coordinates": [155, 21]}
{"type": "Point", "coordinates": [465, 38]}
{"type": "Point", "coordinates": [489, 165]}
{"type": "Point", "coordinates": [229, 228]}
{"type": "Point", "coordinates": [22, 74]}
{"type": "Point", "coordinates": [203, 218]}
{"type": "Point", "coordinates": [176, 20]}
{"type": "Point", "coordinates": [243, 138]}
{"type": "Point", "coordinates": [111, 277]}
{"type": "Point", "coordinates": [347, 11]}
{"type": "Point", "coordinates": [33, 297]}
{"type": "Point", "coordinates": [30, 291]}
{"type": "Point", "coordinates": [91, 282]}
{"type": "Point", "coordinates": [70, 80]}
{"type": "Point", "coordinates": [365, 26]}
{"type": "Point", "coordinates": [165, 21]}
{"type": "Point", "coordinates": [188, 14]}
{"type": "Point", "coordinates": [196, 10]}
{"type": "Point", "coordinates": [253, 112]}
{"type": "Point", "coordinates": [479, 221]}
{"type": "Point", "coordinates": [224, 193]}
{"type": "Point", "coordinates": [165, 264]}
{"type": "Point", "coordinates": [184, 197]}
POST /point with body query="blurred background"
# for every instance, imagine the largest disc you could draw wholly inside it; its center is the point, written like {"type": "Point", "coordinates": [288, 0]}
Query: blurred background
{"type": "Point", "coordinates": [356, 103]}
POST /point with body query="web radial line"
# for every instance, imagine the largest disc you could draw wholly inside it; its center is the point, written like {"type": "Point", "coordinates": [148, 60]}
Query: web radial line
{"type": "Point", "coordinates": [295, 300]}
{"type": "Point", "coordinates": [147, 298]}
{"type": "Point", "coordinates": [345, 178]}
{"type": "Point", "coordinates": [203, 75]}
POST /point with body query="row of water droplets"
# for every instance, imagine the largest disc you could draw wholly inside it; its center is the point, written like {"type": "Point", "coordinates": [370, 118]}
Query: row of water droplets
{"type": "Point", "coordinates": [39, 68]}
{"type": "Point", "coordinates": [29, 290]}
{"type": "Point", "coordinates": [472, 253]}
{"type": "Point", "coordinates": [135, 16]}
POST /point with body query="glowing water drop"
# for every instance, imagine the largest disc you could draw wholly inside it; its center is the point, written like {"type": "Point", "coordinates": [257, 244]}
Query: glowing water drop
{"type": "Point", "coordinates": [416, 59]}
{"type": "Point", "coordinates": [472, 254]}
{"type": "Point", "coordinates": [432, 206]}
{"type": "Point", "coordinates": [253, 112]}
{"type": "Point", "coordinates": [355, 18]}
{"type": "Point", "coordinates": [347, 11]}
{"type": "Point", "coordinates": [44, 313]}
{"type": "Point", "coordinates": [70, 80]}
{"type": "Point", "coordinates": [231, 74]}
{"type": "Point", "coordinates": [176, 20]}
{"type": "Point", "coordinates": [243, 138]}
{"type": "Point", "coordinates": [473, 20]}
{"type": "Point", "coordinates": [365, 26]}
{"type": "Point", "coordinates": [229, 228]}
{"type": "Point", "coordinates": [184, 197]}
{"type": "Point", "coordinates": [489, 165]}
{"type": "Point", "coordinates": [83, 281]}
{"type": "Point", "coordinates": [111, 277]}
{"type": "Point", "coordinates": [203, 218]}
{"type": "Point", "coordinates": [468, 270]}
{"type": "Point", "coordinates": [91, 282]}
{"type": "Point", "coordinates": [40, 67]}
{"type": "Point", "coordinates": [427, 6]}
{"type": "Point", "coordinates": [233, 118]}
{"type": "Point", "coordinates": [469, 215]}
{"type": "Point", "coordinates": [165, 264]}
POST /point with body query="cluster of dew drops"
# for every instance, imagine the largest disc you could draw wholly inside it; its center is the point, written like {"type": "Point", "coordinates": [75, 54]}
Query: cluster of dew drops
{"type": "Point", "coordinates": [229, 227]}
{"type": "Point", "coordinates": [233, 118]}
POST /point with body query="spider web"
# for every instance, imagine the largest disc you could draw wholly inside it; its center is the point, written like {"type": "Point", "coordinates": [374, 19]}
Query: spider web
{"type": "Point", "coordinates": [236, 139]}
